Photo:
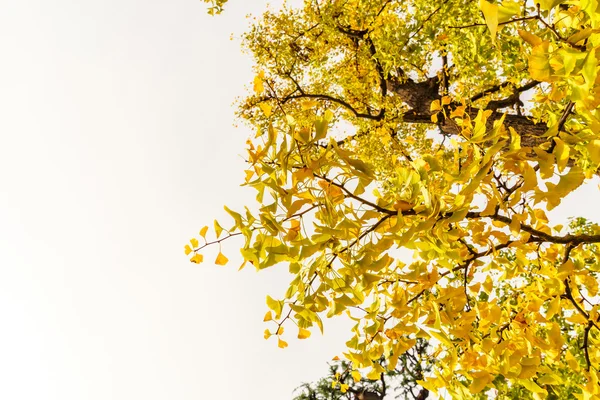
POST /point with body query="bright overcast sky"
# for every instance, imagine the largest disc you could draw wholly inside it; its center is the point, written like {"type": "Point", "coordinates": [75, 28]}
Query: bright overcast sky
{"type": "Point", "coordinates": [117, 145]}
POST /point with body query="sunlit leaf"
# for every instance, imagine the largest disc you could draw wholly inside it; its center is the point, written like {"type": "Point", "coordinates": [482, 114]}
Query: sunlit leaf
{"type": "Point", "coordinates": [221, 259]}
{"type": "Point", "coordinates": [197, 258]}
{"type": "Point", "coordinates": [303, 334]}
{"type": "Point", "coordinates": [203, 231]}
{"type": "Point", "coordinates": [490, 12]}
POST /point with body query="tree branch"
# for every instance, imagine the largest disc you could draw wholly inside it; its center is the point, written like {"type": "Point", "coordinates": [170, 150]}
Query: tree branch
{"type": "Point", "coordinates": [332, 99]}
{"type": "Point", "coordinates": [493, 89]}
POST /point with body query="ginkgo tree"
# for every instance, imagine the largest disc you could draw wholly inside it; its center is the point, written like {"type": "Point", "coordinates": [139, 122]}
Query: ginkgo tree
{"type": "Point", "coordinates": [446, 128]}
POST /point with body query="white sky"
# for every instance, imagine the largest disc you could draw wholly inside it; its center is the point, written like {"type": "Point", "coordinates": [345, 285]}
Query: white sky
{"type": "Point", "coordinates": [117, 145]}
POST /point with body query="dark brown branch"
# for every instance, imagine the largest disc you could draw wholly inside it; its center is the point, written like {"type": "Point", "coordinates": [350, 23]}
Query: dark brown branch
{"type": "Point", "coordinates": [416, 296]}
{"type": "Point", "coordinates": [569, 296]}
{"type": "Point", "coordinates": [573, 240]}
{"type": "Point", "coordinates": [217, 241]}
{"type": "Point", "coordinates": [362, 35]}
{"type": "Point", "coordinates": [555, 32]}
{"type": "Point", "coordinates": [499, 24]}
{"type": "Point", "coordinates": [445, 76]}
{"type": "Point", "coordinates": [493, 89]}
{"type": "Point", "coordinates": [379, 69]}
{"type": "Point", "coordinates": [423, 394]}
{"type": "Point", "coordinates": [381, 9]}
{"type": "Point", "coordinates": [332, 99]}
{"type": "Point", "coordinates": [465, 267]}
{"type": "Point", "coordinates": [565, 116]}
{"type": "Point", "coordinates": [357, 34]}
{"type": "Point", "coordinates": [586, 350]}
{"type": "Point", "coordinates": [414, 33]}
{"type": "Point", "coordinates": [360, 199]}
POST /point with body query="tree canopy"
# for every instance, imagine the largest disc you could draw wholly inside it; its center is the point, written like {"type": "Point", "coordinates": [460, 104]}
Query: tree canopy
{"type": "Point", "coordinates": [449, 129]}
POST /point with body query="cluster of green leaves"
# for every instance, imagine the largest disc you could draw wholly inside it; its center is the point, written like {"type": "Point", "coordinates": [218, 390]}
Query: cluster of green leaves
{"type": "Point", "coordinates": [378, 128]}
{"type": "Point", "coordinates": [402, 382]}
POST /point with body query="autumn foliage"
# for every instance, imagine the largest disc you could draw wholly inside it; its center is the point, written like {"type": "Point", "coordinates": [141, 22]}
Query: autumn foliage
{"type": "Point", "coordinates": [448, 129]}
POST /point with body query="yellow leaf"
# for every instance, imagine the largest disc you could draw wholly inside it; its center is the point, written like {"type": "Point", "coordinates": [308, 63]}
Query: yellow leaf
{"type": "Point", "coordinates": [558, 228]}
{"type": "Point", "coordinates": [479, 382]}
{"type": "Point", "coordinates": [301, 174]}
{"type": "Point", "coordinates": [435, 106]}
{"type": "Point", "coordinates": [402, 205]}
{"type": "Point", "coordinates": [577, 319]}
{"type": "Point", "coordinates": [549, 4]}
{"type": "Point", "coordinates": [477, 385]}
{"type": "Point", "coordinates": [279, 331]}
{"type": "Point", "coordinates": [249, 174]}
{"type": "Point", "coordinates": [507, 10]}
{"type": "Point", "coordinates": [328, 115]}
{"type": "Point", "coordinates": [531, 386]}
{"type": "Point", "coordinates": [187, 249]}
{"type": "Point", "coordinates": [203, 231]}
{"type": "Point", "coordinates": [490, 12]}
{"type": "Point", "coordinates": [194, 242]}
{"type": "Point", "coordinates": [218, 229]}
{"type": "Point", "coordinates": [268, 316]}
{"type": "Point", "coordinates": [488, 285]}
{"type": "Point", "coordinates": [515, 139]}
{"type": "Point", "coordinates": [258, 83]}
{"type": "Point", "coordinates": [553, 307]}
{"type": "Point", "coordinates": [303, 333]}
{"type": "Point", "coordinates": [539, 65]}
{"type": "Point", "coordinates": [515, 226]}
{"type": "Point", "coordinates": [344, 388]}
{"type": "Point", "coordinates": [579, 36]}
{"type": "Point", "coordinates": [569, 182]}
{"type": "Point", "coordinates": [308, 104]}
{"type": "Point", "coordinates": [375, 372]}
{"type": "Point", "coordinates": [593, 147]}
{"type": "Point", "coordinates": [275, 305]}
{"type": "Point", "coordinates": [546, 163]}
{"type": "Point", "coordinates": [572, 361]}
{"type": "Point", "coordinates": [197, 259]}
{"type": "Point", "coordinates": [530, 38]}
{"type": "Point", "coordinates": [550, 379]}
{"type": "Point", "coordinates": [267, 334]}
{"type": "Point", "coordinates": [282, 344]}
{"type": "Point", "coordinates": [356, 376]}
{"type": "Point", "coordinates": [561, 152]}
{"type": "Point", "coordinates": [221, 259]}
{"type": "Point", "coordinates": [266, 108]}
{"type": "Point", "coordinates": [302, 135]}
{"type": "Point", "coordinates": [529, 178]}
